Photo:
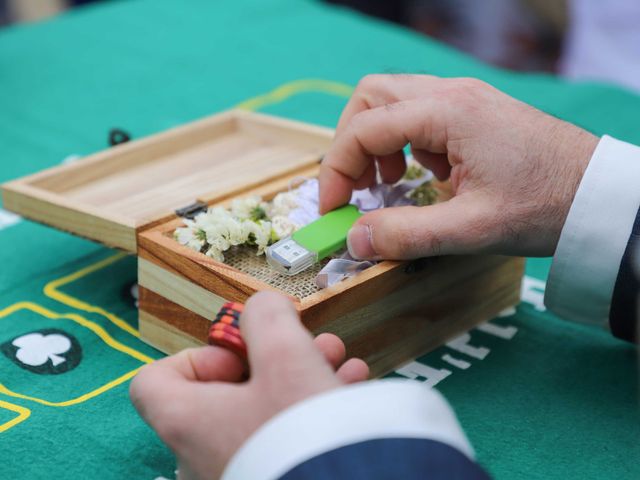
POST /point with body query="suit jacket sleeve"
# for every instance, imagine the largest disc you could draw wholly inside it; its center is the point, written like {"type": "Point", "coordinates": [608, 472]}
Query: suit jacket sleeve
{"type": "Point", "coordinates": [374, 430]}
{"type": "Point", "coordinates": [623, 315]}
{"type": "Point", "coordinates": [592, 278]}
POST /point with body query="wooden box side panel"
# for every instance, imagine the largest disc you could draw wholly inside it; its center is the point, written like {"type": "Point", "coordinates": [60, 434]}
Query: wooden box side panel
{"type": "Point", "coordinates": [171, 260]}
{"type": "Point", "coordinates": [382, 280]}
{"type": "Point", "coordinates": [164, 336]}
{"type": "Point", "coordinates": [86, 222]}
{"type": "Point", "coordinates": [185, 322]}
{"type": "Point", "coordinates": [178, 289]}
{"type": "Point", "coordinates": [387, 333]}
{"type": "Point", "coordinates": [422, 316]}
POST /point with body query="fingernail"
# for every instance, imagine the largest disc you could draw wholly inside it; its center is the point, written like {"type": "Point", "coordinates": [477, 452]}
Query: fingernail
{"type": "Point", "coordinates": [359, 242]}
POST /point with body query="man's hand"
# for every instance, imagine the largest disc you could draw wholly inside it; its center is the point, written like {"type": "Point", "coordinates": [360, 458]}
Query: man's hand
{"type": "Point", "coordinates": [514, 170]}
{"type": "Point", "coordinates": [199, 406]}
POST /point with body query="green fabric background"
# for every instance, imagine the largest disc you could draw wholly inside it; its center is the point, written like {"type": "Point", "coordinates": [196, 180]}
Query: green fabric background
{"type": "Point", "coordinates": [558, 400]}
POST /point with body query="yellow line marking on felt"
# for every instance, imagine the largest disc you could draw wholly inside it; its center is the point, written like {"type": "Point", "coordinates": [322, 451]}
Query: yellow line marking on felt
{"type": "Point", "coordinates": [51, 291]}
{"type": "Point", "coordinates": [284, 91]}
{"type": "Point", "coordinates": [95, 328]}
{"type": "Point", "coordinates": [73, 401]}
{"type": "Point", "coordinates": [23, 414]}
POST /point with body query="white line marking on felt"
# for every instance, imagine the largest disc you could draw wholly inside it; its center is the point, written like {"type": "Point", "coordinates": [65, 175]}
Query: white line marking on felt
{"type": "Point", "coordinates": [461, 344]}
{"type": "Point", "coordinates": [507, 332]}
{"type": "Point", "coordinates": [456, 362]}
{"type": "Point", "coordinates": [432, 376]}
{"type": "Point", "coordinates": [8, 219]}
{"type": "Point", "coordinates": [74, 157]}
{"type": "Point", "coordinates": [533, 292]}
{"type": "Point", "coordinates": [507, 312]}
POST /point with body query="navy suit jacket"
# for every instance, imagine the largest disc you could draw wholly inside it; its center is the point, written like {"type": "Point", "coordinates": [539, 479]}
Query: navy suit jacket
{"type": "Point", "coordinates": [390, 458]}
{"type": "Point", "coordinates": [623, 313]}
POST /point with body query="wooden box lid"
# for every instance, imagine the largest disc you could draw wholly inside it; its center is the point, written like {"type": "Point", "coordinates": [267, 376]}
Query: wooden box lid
{"type": "Point", "coordinates": [109, 196]}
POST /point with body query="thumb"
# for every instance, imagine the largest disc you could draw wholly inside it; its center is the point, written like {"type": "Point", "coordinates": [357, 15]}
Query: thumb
{"type": "Point", "coordinates": [458, 226]}
{"type": "Point", "coordinates": [280, 349]}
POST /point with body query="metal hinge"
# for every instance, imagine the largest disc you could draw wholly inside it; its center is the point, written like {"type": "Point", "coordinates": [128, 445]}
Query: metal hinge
{"type": "Point", "coordinates": [190, 211]}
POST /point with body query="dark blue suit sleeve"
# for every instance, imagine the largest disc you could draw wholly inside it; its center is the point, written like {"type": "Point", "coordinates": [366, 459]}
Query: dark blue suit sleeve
{"type": "Point", "coordinates": [623, 314]}
{"type": "Point", "coordinates": [390, 458]}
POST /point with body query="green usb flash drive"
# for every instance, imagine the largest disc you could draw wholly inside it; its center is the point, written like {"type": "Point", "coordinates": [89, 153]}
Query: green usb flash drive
{"type": "Point", "coordinates": [313, 242]}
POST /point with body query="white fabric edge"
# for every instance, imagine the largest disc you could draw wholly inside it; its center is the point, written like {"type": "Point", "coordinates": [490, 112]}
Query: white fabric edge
{"type": "Point", "coordinates": [595, 234]}
{"type": "Point", "coordinates": [348, 415]}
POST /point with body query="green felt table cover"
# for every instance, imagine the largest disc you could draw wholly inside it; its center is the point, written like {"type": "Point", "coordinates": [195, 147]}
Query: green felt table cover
{"type": "Point", "coordinates": [541, 398]}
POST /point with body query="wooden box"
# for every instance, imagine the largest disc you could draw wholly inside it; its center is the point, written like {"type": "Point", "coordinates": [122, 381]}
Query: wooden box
{"type": "Point", "coordinates": [127, 196]}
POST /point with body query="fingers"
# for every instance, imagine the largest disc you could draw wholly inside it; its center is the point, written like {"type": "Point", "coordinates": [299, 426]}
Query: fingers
{"type": "Point", "coordinates": [392, 167]}
{"type": "Point", "coordinates": [380, 132]}
{"type": "Point", "coordinates": [204, 364]}
{"type": "Point", "coordinates": [464, 224]}
{"type": "Point", "coordinates": [278, 343]}
{"type": "Point", "coordinates": [367, 179]}
{"type": "Point", "coordinates": [332, 348]}
{"type": "Point", "coordinates": [214, 364]}
{"type": "Point", "coordinates": [377, 90]}
{"type": "Point", "coordinates": [162, 380]}
{"type": "Point", "coordinates": [438, 163]}
{"type": "Point", "coordinates": [352, 371]}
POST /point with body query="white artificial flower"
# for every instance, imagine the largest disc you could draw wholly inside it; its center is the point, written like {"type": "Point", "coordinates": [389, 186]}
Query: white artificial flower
{"type": "Point", "coordinates": [219, 229]}
{"type": "Point", "coordinates": [218, 212]}
{"type": "Point", "coordinates": [282, 226]}
{"type": "Point", "coordinates": [258, 233]}
{"type": "Point", "coordinates": [215, 254]}
{"type": "Point", "coordinates": [205, 221]}
{"type": "Point", "coordinates": [227, 227]}
{"type": "Point", "coordinates": [211, 217]}
{"type": "Point", "coordinates": [187, 237]}
{"type": "Point", "coordinates": [249, 228]}
{"type": "Point", "coordinates": [263, 237]}
{"type": "Point", "coordinates": [219, 242]}
{"type": "Point", "coordinates": [214, 231]}
{"type": "Point", "coordinates": [235, 233]}
{"type": "Point", "coordinates": [191, 236]}
{"type": "Point", "coordinates": [246, 223]}
{"type": "Point", "coordinates": [248, 208]}
{"type": "Point", "coordinates": [282, 204]}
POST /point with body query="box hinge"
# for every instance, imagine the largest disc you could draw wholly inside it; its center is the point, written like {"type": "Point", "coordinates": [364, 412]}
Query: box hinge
{"type": "Point", "coordinates": [190, 211]}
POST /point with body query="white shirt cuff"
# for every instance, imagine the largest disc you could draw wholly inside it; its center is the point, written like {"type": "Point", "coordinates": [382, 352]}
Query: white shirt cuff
{"type": "Point", "coordinates": [348, 415]}
{"type": "Point", "coordinates": [595, 234]}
